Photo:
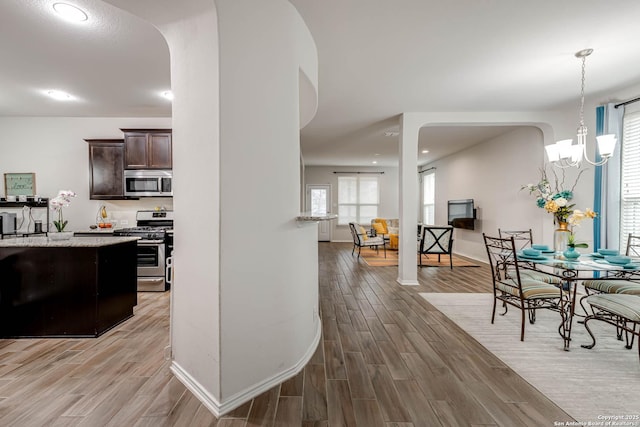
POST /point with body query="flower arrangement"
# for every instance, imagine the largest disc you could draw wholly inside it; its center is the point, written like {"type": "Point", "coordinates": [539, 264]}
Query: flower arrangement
{"type": "Point", "coordinates": [63, 199]}
{"type": "Point", "coordinates": [556, 198]}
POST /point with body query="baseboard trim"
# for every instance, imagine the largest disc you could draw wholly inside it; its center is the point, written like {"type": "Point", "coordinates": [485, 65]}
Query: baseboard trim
{"type": "Point", "coordinates": [219, 408]}
{"type": "Point", "coordinates": [407, 282]}
{"type": "Point", "coordinates": [197, 389]}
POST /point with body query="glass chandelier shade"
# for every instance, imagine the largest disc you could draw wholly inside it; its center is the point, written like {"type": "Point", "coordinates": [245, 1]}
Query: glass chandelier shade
{"type": "Point", "coordinates": [565, 153]}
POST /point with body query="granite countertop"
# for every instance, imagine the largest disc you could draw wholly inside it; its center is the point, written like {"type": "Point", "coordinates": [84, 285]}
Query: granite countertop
{"type": "Point", "coordinates": [308, 216]}
{"type": "Point", "coordinates": [74, 242]}
{"type": "Point", "coordinates": [96, 231]}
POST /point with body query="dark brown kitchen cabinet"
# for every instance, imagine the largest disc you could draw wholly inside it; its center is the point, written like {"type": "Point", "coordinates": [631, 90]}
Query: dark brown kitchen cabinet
{"type": "Point", "coordinates": [147, 149]}
{"type": "Point", "coordinates": [63, 290]}
{"type": "Point", "coordinates": [106, 169]}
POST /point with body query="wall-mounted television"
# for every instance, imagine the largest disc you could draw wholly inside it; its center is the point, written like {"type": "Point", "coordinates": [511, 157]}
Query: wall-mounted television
{"type": "Point", "coordinates": [461, 213]}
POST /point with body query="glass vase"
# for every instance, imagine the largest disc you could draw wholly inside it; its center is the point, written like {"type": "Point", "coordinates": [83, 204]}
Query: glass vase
{"type": "Point", "coordinates": [561, 237]}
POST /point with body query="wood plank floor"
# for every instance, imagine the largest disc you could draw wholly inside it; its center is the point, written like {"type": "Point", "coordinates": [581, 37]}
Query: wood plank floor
{"type": "Point", "coordinates": [387, 358]}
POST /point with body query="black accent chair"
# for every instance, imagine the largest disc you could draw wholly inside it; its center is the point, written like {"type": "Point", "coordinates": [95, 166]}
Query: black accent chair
{"type": "Point", "coordinates": [436, 240]}
{"type": "Point", "coordinates": [362, 239]}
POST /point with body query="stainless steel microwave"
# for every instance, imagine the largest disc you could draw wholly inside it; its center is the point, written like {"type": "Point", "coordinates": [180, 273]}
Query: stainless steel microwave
{"type": "Point", "coordinates": [148, 183]}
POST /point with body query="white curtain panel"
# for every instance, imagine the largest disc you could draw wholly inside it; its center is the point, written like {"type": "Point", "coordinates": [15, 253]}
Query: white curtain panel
{"type": "Point", "coordinates": [610, 215]}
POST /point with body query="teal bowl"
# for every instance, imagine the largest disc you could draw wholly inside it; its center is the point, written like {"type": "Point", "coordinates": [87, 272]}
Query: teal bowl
{"type": "Point", "coordinates": [608, 252]}
{"type": "Point", "coordinates": [540, 247]}
{"type": "Point", "coordinates": [531, 252]}
{"type": "Point", "coordinates": [617, 259]}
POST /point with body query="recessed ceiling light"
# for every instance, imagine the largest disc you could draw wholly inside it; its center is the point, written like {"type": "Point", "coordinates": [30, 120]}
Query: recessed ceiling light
{"type": "Point", "coordinates": [167, 94]}
{"type": "Point", "coordinates": [59, 95]}
{"type": "Point", "coordinates": [374, 162]}
{"type": "Point", "coordinates": [425, 151]}
{"type": "Point", "coordinates": [70, 12]}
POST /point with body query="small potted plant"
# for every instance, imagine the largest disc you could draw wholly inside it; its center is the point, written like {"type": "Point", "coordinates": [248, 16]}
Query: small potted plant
{"type": "Point", "coordinates": [571, 252]}
{"type": "Point", "coordinates": [62, 200]}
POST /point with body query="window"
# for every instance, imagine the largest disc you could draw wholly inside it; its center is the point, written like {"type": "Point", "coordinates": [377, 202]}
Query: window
{"type": "Point", "coordinates": [357, 199]}
{"type": "Point", "coordinates": [630, 182]}
{"type": "Point", "coordinates": [429, 198]}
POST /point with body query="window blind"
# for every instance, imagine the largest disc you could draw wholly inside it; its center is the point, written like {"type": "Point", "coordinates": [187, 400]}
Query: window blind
{"type": "Point", "coordinates": [358, 199]}
{"type": "Point", "coordinates": [630, 182]}
{"type": "Point", "coordinates": [428, 198]}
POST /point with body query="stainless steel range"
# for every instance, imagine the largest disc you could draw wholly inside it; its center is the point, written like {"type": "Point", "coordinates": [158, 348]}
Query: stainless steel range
{"type": "Point", "coordinates": [155, 229]}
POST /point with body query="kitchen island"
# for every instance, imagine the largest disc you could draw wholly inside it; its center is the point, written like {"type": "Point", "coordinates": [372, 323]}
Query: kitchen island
{"type": "Point", "coordinates": [80, 287]}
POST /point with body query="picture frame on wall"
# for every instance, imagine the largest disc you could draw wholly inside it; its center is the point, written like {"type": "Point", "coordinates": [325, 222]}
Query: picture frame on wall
{"type": "Point", "coordinates": [19, 184]}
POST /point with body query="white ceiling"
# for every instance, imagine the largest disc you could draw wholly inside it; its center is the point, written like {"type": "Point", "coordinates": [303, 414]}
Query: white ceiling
{"type": "Point", "coordinates": [377, 59]}
{"type": "Point", "coordinates": [114, 64]}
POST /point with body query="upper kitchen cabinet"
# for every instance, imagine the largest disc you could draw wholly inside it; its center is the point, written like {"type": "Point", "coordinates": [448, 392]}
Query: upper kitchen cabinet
{"type": "Point", "coordinates": [106, 169]}
{"type": "Point", "coordinates": [147, 148]}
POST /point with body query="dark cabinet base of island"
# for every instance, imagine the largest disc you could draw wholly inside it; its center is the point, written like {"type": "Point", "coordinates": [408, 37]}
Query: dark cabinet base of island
{"type": "Point", "coordinates": [66, 291]}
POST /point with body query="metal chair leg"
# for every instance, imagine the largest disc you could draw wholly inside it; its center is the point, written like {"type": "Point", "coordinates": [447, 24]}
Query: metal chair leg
{"type": "Point", "coordinates": [493, 313]}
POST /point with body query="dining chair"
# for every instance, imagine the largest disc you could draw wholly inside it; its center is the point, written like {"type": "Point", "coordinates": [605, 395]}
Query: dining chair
{"type": "Point", "coordinates": [619, 310]}
{"type": "Point", "coordinates": [633, 246]}
{"type": "Point", "coordinates": [524, 239]}
{"type": "Point", "coordinates": [513, 288]}
{"type": "Point", "coordinates": [613, 285]}
{"type": "Point", "coordinates": [362, 239]}
{"type": "Point", "coordinates": [436, 240]}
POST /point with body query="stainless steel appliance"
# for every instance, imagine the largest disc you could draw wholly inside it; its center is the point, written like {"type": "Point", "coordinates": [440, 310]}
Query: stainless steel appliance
{"type": "Point", "coordinates": [155, 229]}
{"type": "Point", "coordinates": [148, 183]}
{"type": "Point", "coordinates": [8, 223]}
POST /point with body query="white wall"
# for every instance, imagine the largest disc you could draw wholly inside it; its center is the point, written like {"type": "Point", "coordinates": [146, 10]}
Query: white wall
{"type": "Point", "coordinates": [191, 30]}
{"type": "Point", "coordinates": [245, 299]}
{"type": "Point", "coordinates": [54, 149]}
{"type": "Point", "coordinates": [388, 192]}
{"type": "Point", "coordinates": [268, 262]}
{"type": "Point", "coordinates": [492, 173]}
{"type": "Point", "coordinates": [196, 300]}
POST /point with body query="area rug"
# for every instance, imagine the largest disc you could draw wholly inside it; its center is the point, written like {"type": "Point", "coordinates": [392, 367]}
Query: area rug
{"type": "Point", "coordinates": [587, 384]}
{"type": "Point", "coordinates": [374, 259]}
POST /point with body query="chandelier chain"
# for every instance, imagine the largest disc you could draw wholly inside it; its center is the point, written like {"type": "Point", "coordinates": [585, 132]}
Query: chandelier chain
{"type": "Point", "coordinates": [584, 61]}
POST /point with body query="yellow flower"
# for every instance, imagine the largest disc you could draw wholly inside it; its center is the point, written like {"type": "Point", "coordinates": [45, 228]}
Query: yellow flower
{"type": "Point", "coordinates": [590, 213]}
{"type": "Point", "coordinates": [551, 206]}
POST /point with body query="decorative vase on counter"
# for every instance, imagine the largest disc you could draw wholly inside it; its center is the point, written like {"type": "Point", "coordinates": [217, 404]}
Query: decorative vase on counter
{"type": "Point", "coordinates": [561, 237]}
{"type": "Point", "coordinates": [571, 254]}
{"type": "Point", "coordinates": [60, 235]}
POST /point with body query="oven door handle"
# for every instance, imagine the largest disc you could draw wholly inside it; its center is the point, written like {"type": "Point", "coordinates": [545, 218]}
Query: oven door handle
{"type": "Point", "coordinates": [150, 242]}
{"type": "Point", "coordinates": [169, 270]}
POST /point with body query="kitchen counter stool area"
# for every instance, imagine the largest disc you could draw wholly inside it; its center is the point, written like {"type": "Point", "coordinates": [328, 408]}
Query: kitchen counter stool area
{"type": "Point", "coordinates": [77, 288]}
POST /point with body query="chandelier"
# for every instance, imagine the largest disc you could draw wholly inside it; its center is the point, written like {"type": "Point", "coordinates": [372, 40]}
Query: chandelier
{"type": "Point", "coordinates": [565, 153]}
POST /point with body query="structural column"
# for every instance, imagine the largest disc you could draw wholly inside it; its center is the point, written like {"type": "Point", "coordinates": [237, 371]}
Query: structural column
{"type": "Point", "coordinates": [409, 200]}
